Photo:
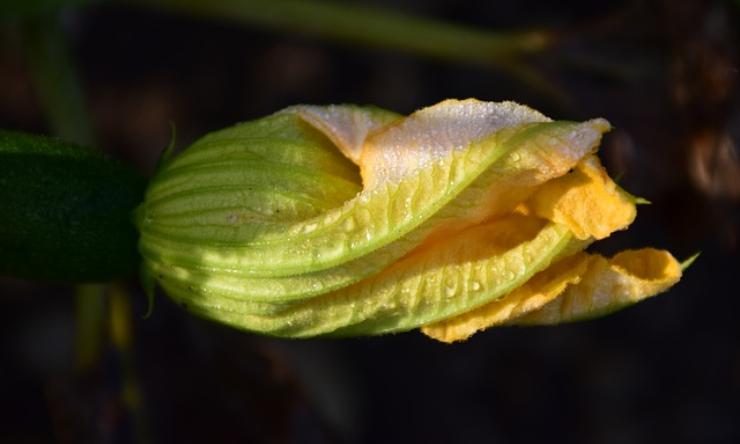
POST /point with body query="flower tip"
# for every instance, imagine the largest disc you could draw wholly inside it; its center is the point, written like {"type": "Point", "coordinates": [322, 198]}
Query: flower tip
{"type": "Point", "coordinates": [641, 201]}
{"type": "Point", "coordinates": [601, 124]}
{"type": "Point", "coordinates": [688, 262]}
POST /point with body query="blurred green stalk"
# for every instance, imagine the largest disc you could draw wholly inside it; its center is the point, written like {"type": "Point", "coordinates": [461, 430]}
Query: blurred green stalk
{"type": "Point", "coordinates": [96, 305]}
{"type": "Point", "coordinates": [122, 338]}
{"type": "Point", "coordinates": [366, 25]}
{"type": "Point", "coordinates": [59, 92]}
{"type": "Point", "coordinates": [55, 79]}
{"type": "Point", "coordinates": [375, 27]}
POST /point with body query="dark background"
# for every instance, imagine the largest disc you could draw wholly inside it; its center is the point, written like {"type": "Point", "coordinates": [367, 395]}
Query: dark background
{"type": "Point", "coordinates": [664, 73]}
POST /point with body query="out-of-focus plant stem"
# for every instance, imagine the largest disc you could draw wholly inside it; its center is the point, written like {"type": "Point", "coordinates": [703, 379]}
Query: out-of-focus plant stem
{"type": "Point", "coordinates": [366, 25]}
{"type": "Point", "coordinates": [122, 338]}
{"type": "Point", "coordinates": [90, 303]}
{"type": "Point", "coordinates": [55, 80]}
{"type": "Point", "coordinates": [60, 94]}
{"type": "Point", "coordinates": [375, 27]}
{"type": "Point", "coordinates": [97, 305]}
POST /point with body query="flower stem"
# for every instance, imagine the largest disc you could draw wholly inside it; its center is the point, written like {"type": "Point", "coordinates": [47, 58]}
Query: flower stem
{"type": "Point", "coordinates": [376, 27]}
{"type": "Point", "coordinates": [55, 79]}
{"type": "Point", "coordinates": [102, 310]}
{"type": "Point", "coordinates": [60, 94]}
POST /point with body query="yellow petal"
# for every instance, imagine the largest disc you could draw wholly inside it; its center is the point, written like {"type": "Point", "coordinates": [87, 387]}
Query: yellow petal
{"type": "Point", "coordinates": [578, 287]}
{"type": "Point", "coordinates": [586, 200]}
{"type": "Point", "coordinates": [609, 285]}
{"type": "Point", "coordinates": [481, 264]}
{"type": "Point", "coordinates": [347, 126]}
{"type": "Point", "coordinates": [433, 134]}
{"type": "Point", "coordinates": [538, 291]}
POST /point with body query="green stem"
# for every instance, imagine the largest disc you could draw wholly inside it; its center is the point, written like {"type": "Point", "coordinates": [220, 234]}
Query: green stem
{"type": "Point", "coordinates": [90, 321]}
{"type": "Point", "coordinates": [56, 81]}
{"type": "Point", "coordinates": [366, 25]}
{"type": "Point", "coordinates": [61, 95]}
{"type": "Point", "coordinates": [375, 27]}
{"type": "Point", "coordinates": [122, 339]}
{"type": "Point", "coordinates": [59, 91]}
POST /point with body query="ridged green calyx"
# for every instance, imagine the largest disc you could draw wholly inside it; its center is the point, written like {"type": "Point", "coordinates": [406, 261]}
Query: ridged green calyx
{"type": "Point", "coordinates": [349, 220]}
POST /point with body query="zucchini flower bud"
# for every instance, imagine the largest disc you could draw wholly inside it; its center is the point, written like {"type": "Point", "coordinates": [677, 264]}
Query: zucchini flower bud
{"type": "Point", "coordinates": [345, 220]}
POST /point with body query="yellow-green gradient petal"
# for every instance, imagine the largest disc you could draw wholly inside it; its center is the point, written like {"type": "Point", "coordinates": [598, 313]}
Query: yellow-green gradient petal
{"type": "Point", "coordinates": [346, 125]}
{"type": "Point", "coordinates": [609, 285]}
{"type": "Point", "coordinates": [536, 292]}
{"type": "Point", "coordinates": [479, 265]}
{"type": "Point", "coordinates": [435, 133]}
{"type": "Point", "coordinates": [579, 287]}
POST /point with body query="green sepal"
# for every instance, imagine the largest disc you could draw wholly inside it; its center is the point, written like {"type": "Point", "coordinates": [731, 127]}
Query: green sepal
{"type": "Point", "coordinates": [690, 261]}
{"type": "Point", "coordinates": [149, 285]}
{"type": "Point", "coordinates": [169, 152]}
